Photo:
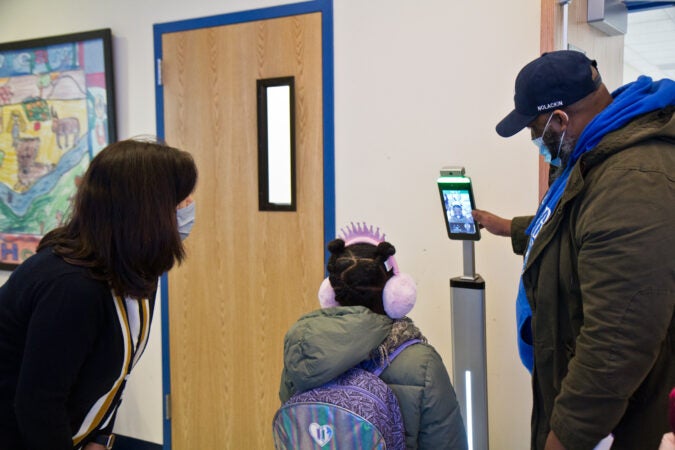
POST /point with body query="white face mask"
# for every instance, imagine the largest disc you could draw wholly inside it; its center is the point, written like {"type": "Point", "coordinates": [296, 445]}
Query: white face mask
{"type": "Point", "coordinates": [186, 219]}
{"type": "Point", "coordinates": [543, 148]}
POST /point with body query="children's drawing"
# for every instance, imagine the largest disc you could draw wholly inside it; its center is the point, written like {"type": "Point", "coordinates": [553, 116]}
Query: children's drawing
{"type": "Point", "coordinates": [56, 113]}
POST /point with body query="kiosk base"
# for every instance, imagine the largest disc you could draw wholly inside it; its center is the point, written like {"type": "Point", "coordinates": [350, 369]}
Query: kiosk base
{"type": "Point", "coordinates": [469, 357]}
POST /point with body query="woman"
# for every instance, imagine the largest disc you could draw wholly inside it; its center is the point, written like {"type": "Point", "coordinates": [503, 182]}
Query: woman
{"type": "Point", "coordinates": [75, 317]}
{"type": "Point", "coordinates": [365, 301]}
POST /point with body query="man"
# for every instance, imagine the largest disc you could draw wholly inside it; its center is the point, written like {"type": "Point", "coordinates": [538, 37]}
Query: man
{"type": "Point", "coordinates": [598, 282]}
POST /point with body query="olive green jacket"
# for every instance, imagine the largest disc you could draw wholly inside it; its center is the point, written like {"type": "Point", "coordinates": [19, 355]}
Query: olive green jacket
{"type": "Point", "coordinates": [600, 280]}
{"type": "Point", "coordinates": [326, 343]}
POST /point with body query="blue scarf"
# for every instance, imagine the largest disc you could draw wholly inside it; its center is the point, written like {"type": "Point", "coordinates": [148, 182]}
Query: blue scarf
{"type": "Point", "coordinates": [630, 101]}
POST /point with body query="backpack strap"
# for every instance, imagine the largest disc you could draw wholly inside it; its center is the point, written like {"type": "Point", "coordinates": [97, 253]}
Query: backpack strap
{"type": "Point", "coordinates": [378, 370]}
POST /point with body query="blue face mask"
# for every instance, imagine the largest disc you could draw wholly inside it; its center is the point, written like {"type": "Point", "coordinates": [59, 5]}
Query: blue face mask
{"type": "Point", "coordinates": [186, 219]}
{"type": "Point", "coordinates": [543, 148]}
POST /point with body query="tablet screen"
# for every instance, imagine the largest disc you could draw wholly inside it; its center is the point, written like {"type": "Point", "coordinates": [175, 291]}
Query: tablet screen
{"type": "Point", "coordinates": [457, 200]}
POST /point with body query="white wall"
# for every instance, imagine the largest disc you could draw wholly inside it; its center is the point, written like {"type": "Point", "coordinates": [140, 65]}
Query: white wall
{"type": "Point", "coordinates": [418, 85]}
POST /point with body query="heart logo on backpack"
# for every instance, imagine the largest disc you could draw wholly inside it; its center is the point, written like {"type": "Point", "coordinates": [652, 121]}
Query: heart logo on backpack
{"type": "Point", "coordinates": [322, 434]}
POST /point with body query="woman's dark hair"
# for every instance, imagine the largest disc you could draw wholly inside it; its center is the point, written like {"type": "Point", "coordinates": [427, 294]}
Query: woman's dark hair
{"type": "Point", "coordinates": [358, 274]}
{"type": "Point", "coordinates": [123, 225]}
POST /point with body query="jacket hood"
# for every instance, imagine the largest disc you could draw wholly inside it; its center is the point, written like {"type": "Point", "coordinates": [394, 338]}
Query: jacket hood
{"type": "Point", "coordinates": [654, 125]}
{"type": "Point", "coordinates": [325, 343]}
{"type": "Point", "coordinates": [630, 118]}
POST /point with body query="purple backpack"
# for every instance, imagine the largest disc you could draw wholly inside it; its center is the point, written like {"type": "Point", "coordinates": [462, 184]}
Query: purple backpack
{"type": "Point", "coordinates": [356, 410]}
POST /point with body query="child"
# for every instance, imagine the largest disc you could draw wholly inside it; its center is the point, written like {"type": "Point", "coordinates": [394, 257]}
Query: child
{"type": "Point", "coordinates": [365, 300]}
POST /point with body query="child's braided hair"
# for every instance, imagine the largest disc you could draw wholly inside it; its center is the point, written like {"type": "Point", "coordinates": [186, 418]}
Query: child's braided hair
{"type": "Point", "coordinates": [358, 273]}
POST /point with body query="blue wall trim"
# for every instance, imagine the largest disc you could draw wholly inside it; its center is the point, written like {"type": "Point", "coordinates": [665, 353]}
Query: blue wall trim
{"type": "Point", "coordinates": [328, 127]}
{"type": "Point", "coordinates": [634, 6]}
{"type": "Point", "coordinates": [127, 443]}
{"type": "Point", "coordinates": [164, 292]}
{"type": "Point", "coordinates": [326, 8]}
{"type": "Point", "coordinates": [243, 16]}
{"type": "Point", "coordinates": [166, 366]}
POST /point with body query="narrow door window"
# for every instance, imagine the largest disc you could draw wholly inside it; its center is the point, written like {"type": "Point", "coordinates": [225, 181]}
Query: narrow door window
{"type": "Point", "coordinates": [276, 144]}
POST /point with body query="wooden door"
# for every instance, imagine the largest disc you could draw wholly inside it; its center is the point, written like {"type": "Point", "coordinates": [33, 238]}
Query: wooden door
{"type": "Point", "coordinates": [249, 274]}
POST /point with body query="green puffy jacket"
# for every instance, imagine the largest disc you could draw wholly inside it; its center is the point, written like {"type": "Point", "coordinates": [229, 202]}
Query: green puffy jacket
{"type": "Point", "coordinates": [325, 343]}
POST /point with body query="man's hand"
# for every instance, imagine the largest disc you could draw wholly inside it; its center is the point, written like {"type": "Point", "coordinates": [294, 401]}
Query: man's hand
{"type": "Point", "coordinates": [668, 442]}
{"type": "Point", "coordinates": [552, 442]}
{"type": "Point", "coordinates": [94, 446]}
{"type": "Point", "coordinates": [494, 224]}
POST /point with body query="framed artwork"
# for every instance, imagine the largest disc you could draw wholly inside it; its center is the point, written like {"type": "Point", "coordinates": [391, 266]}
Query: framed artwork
{"type": "Point", "coordinates": [56, 112]}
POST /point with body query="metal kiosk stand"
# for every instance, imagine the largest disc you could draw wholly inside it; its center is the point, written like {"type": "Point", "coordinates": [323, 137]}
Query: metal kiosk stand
{"type": "Point", "coordinates": [467, 306]}
{"type": "Point", "coordinates": [469, 356]}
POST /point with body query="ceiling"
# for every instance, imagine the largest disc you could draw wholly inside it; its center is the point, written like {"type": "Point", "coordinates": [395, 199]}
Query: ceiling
{"type": "Point", "coordinates": [649, 45]}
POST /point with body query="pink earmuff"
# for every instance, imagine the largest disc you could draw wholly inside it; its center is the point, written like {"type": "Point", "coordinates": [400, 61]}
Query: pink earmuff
{"type": "Point", "coordinates": [327, 295]}
{"type": "Point", "coordinates": [399, 295]}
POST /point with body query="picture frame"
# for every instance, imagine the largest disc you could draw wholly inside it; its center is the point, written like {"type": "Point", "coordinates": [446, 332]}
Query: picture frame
{"type": "Point", "coordinates": [57, 111]}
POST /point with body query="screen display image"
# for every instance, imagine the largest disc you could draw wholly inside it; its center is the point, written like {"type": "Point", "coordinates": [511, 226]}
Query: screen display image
{"type": "Point", "coordinates": [457, 200]}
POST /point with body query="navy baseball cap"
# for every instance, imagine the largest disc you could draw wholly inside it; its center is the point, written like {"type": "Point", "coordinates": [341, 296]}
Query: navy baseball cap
{"type": "Point", "coordinates": [552, 81]}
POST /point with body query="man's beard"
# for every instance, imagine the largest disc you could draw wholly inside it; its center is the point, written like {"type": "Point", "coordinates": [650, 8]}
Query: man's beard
{"type": "Point", "coordinates": [565, 153]}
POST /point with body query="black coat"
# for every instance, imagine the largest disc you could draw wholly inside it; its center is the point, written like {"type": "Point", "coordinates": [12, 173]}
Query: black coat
{"type": "Point", "coordinates": [65, 345]}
